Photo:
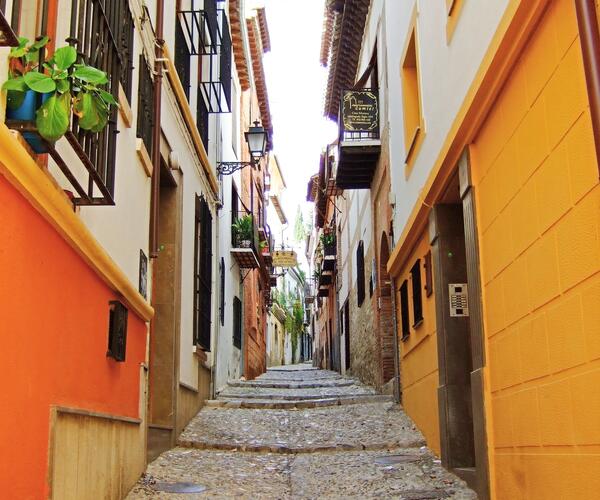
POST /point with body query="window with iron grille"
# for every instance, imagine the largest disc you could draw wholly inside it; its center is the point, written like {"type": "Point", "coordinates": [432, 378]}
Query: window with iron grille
{"type": "Point", "coordinates": [225, 63]}
{"type": "Point", "coordinates": [117, 331]}
{"type": "Point", "coordinates": [235, 207]}
{"type": "Point", "coordinates": [415, 274]}
{"type": "Point", "coordinates": [237, 322]}
{"type": "Point", "coordinates": [182, 58]}
{"type": "Point", "coordinates": [92, 33]}
{"type": "Point", "coordinates": [404, 310]}
{"type": "Point", "coordinates": [202, 274]}
{"type": "Point", "coordinates": [428, 274]}
{"type": "Point", "coordinates": [222, 291]}
{"type": "Point", "coordinates": [202, 119]}
{"type": "Point", "coordinates": [123, 32]}
{"type": "Point", "coordinates": [360, 273]}
{"type": "Point", "coordinates": [145, 113]}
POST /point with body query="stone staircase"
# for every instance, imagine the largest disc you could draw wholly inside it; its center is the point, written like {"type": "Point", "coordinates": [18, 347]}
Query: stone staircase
{"type": "Point", "coordinates": [295, 387]}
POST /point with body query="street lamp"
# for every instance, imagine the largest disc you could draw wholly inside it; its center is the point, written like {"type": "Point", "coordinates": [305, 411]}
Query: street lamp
{"type": "Point", "coordinates": [256, 137]}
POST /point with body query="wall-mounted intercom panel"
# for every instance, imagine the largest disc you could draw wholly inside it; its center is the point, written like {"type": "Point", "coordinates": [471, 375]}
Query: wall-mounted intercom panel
{"type": "Point", "coordinates": [459, 303]}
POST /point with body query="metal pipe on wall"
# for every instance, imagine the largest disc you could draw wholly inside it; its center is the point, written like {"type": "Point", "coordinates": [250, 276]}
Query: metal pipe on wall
{"type": "Point", "coordinates": [589, 37]}
{"type": "Point", "coordinates": [158, 74]}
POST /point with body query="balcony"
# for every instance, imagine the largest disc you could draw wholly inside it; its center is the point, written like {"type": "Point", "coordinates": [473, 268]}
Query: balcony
{"type": "Point", "coordinates": [207, 37]}
{"type": "Point", "coordinates": [83, 159]}
{"type": "Point", "coordinates": [359, 142]}
{"type": "Point", "coordinates": [245, 242]}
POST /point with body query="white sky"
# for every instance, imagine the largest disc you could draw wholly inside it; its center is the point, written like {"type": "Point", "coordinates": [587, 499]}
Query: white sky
{"type": "Point", "coordinates": [296, 86]}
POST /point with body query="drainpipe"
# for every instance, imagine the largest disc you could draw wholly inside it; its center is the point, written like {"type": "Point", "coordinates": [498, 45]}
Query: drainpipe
{"type": "Point", "coordinates": [589, 38]}
{"type": "Point", "coordinates": [397, 388]}
{"type": "Point", "coordinates": [158, 75]}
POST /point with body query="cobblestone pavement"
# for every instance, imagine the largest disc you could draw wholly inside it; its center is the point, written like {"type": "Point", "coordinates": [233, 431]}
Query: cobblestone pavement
{"type": "Point", "coordinates": [363, 450]}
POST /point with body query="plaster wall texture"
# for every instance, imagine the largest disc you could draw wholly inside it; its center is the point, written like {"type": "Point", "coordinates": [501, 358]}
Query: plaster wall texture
{"type": "Point", "coordinates": [535, 176]}
{"type": "Point", "coordinates": [453, 62]}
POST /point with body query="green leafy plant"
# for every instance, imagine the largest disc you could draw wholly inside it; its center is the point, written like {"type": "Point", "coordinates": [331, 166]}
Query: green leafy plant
{"type": "Point", "coordinates": [71, 88]}
{"type": "Point", "coordinates": [328, 239]}
{"type": "Point", "coordinates": [242, 228]}
{"type": "Point", "coordinates": [317, 274]}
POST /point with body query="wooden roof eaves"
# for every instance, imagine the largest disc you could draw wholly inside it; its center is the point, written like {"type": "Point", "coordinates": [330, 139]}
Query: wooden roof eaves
{"type": "Point", "coordinates": [237, 41]}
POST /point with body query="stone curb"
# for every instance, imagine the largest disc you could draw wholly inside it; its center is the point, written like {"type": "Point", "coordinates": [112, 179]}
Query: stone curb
{"type": "Point", "coordinates": [285, 397]}
{"type": "Point", "coordinates": [298, 404]}
{"type": "Point", "coordinates": [291, 385]}
{"type": "Point", "coordinates": [298, 450]}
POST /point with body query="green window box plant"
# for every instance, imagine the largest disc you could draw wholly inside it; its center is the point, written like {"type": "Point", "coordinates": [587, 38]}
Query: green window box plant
{"type": "Point", "coordinates": [243, 230]}
{"type": "Point", "coordinates": [51, 92]}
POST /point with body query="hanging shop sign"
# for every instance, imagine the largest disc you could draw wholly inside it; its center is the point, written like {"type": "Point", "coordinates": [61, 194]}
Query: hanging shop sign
{"type": "Point", "coordinates": [285, 258]}
{"type": "Point", "coordinates": [360, 111]}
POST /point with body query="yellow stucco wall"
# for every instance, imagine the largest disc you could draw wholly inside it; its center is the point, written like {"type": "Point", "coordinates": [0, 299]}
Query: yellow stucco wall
{"type": "Point", "coordinates": [538, 198]}
{"type": "Point", "coordinates": [419, 362]}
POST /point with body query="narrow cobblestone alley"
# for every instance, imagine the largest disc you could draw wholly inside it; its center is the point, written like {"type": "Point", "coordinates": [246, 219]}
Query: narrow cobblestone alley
{"type": "Point", "coordinates": [299, 432]}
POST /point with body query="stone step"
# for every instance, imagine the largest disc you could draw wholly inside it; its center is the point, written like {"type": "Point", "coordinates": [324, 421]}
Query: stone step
{"type": "Point", "coordinates": [313, 448]}
{"type": "Point", "coordinates": [272, 384]}
{"type": "Point", "coordinates": [290, 397]}
{"type": "Point", "coordinates": [282, 404]}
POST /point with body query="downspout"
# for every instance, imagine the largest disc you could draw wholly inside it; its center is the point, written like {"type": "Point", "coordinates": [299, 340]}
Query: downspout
{"type": "Point", "coordinates": [397, 387]}
{"type": "Point", "coordinates": [589, 37]}
{"type": "Point", "coordinates": [158, 75]}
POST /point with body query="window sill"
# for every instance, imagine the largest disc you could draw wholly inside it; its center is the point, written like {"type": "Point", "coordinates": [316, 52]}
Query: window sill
{"type": "Point", "coordinates": [418, 323]}
{"type": "Point", "coordinates": [144, 157]}
{"type": "Point", "coordinates": [405, 338]}
{"type": "Point", "coordinates": [413, 150]}
{"type": "Point", "coordinates": [125, 108]}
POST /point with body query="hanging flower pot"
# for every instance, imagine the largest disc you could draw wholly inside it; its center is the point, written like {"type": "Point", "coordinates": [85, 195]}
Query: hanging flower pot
{"type": "Point", "coordinates": [48, 94]}
{"type": "Point", "coordinates": [23, 108]}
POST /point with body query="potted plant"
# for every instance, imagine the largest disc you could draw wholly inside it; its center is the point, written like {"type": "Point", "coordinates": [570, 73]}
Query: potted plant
{"type": "Point", "coordinates": [264, 246]}
{"type": "Point", "coordinates": [51, 92]}
{"type": "Point", "coordinates": [242, 229]}
{"type": "Point", "coordinates": [328, 242]}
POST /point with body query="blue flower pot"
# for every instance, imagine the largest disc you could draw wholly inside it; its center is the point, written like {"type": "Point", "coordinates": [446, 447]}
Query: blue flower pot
{"type": "Point", "coordinates": [26, 113]}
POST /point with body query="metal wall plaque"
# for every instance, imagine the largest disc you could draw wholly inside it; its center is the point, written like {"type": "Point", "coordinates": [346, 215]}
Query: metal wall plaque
{"type": "Point", "coordinates": [143, 285]}
{"type": "Point", "coordinates": [459, 303]}
{"type": "Point", "coordinates": [360, 111]}
{"type": "Point", "coordinates": [284, 258]}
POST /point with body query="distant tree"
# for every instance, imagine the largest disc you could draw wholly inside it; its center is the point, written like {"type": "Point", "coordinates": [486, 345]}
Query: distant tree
{"type": "Point", "coordinates": [300, 228]}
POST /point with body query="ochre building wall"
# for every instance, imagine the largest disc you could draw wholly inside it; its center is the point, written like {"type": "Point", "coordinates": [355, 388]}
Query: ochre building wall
{"type": "Point", "coordinates": [419, 373]}
{"type": "Point", "coordinates": [536, 181]}
{"type": "Point", "coordinates": [54, 332]}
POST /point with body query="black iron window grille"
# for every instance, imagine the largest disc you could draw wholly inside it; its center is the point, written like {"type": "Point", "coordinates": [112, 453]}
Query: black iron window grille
{"type": "Point", "coordinates": [360, 273]}
{"type": "Point", "coordinates": [182, 58]}
{"type": "Point", "coordinates": [117, 331]}
{"type": "Point", "coordinates": [92, 32]}
{"type": "Point", "coordinates": [125, 25]}
{"type": "Point", "coordinates": [237, 322]}
{"type": "Point", "coordinates": [202, 274]}
{"type": "Point", "coordinates": [415, 274]}
{"type": "Point", "coordinates": [404, 310]}
{"type": "Point", "coordinates": [145, 113]}
{"type": "Point", "coordinates": [202, 119]}
{"type": "Point", "coordinates": [208, 33]}
{"type": "Point", "coordinates": [222, 291]}
{"type": "Point", "coordinates": [235, 207]}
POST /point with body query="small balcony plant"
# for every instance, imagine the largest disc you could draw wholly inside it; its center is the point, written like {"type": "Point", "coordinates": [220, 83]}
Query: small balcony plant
{"type": "Point", "coordinates": [328, 242]}
{"type": "Point", "coordinates": [49, 93]}
{"type": "Point", "coordinates": [243, 230]}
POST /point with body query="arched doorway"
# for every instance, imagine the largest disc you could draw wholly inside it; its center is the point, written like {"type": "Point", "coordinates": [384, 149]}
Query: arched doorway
{"type": "Point", "coordinates": [386, 322]}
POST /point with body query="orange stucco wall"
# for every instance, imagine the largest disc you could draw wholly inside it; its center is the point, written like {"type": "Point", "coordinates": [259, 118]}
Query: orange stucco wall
{"type": "Point", "coordinates": [538, 199]}
{"type": "Point", "coordinates": [54, 330]}
{"type": "Point", "coordinates": [419, 361]}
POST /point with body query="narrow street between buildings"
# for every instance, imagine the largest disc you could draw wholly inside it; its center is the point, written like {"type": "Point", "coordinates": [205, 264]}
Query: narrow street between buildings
{"type": "Point", "coordinates": [300, 432]}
